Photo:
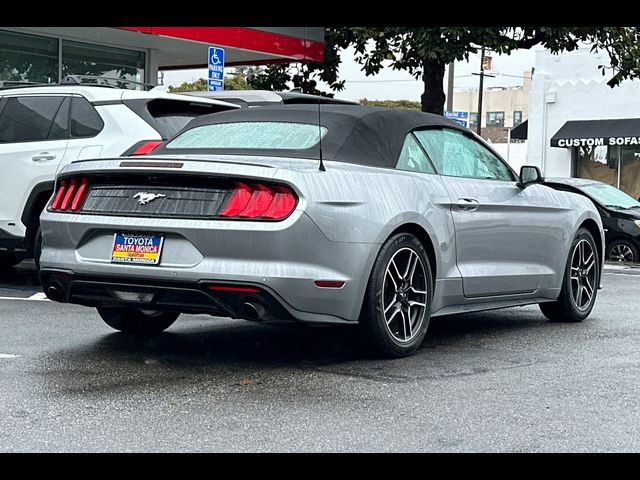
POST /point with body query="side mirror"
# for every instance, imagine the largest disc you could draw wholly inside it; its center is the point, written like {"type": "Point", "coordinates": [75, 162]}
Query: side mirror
{"type": "Point", "coordinates": [529, 175]}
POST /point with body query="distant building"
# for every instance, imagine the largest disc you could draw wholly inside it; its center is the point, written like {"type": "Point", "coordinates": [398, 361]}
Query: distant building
{"type": "Point", "coordinates": [502, 108]}
{"type": "Point", "coordinates": [578, 125]}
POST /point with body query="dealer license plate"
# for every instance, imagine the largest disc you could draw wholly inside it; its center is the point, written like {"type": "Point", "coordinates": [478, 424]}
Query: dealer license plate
{"type": "Point", "coordinates": [141, 249]}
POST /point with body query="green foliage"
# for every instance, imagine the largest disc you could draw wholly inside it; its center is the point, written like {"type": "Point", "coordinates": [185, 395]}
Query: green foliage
{"type": "Point", "coordinates": [197, 86]}
{"type": "Point", "coordinates": [272, 77]}
{"type": "Point", "coordinates": [280, 76]}
{"type": "Point", "coordinates": [236, 82]}
{"type": "Point", "coordinates": [406, 104]}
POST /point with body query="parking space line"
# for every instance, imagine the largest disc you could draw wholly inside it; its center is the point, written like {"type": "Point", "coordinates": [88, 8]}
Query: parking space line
{"type": "Point", "coordinates": [8, 355]}
{"type": "Point", "coordinates": [40, 296]}
{"type": "Point", "coordinates": [27, 299]}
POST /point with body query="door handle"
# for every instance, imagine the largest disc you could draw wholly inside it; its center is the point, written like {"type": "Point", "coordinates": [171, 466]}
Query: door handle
{"type": "Point", "coordinates": [43, 156]}
{"type": "Point", "coordinates": [468, 204]}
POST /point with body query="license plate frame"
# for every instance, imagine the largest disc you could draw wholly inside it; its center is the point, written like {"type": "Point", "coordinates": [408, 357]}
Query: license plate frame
{"type": "Point", "coordinates": [145, 248]}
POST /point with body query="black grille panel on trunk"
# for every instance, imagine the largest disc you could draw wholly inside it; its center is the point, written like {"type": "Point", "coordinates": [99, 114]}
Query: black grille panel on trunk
{"type": "Point", "coordinates": [155, 201]}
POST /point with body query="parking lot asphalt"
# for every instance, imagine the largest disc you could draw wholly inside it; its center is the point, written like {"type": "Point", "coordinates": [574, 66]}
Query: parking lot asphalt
{"type": "Point", "coordinates": [506, 381]}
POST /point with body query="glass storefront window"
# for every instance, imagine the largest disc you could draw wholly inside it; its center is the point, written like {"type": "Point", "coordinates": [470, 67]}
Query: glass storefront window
{"type": "Point", "coordinates": [598, 163]}
{"type": "Point", "coordinates": [618, 166]}
{"type": "Point", "coordinates": [27, 59]}
{"type": "Point", "coordinates": [97, 60]}
{"type": "Point", "coordinates": [630, 170]}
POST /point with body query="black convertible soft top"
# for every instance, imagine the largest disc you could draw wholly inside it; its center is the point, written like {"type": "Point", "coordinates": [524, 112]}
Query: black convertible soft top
{"type": "Point", "coordinates": [371, 136]}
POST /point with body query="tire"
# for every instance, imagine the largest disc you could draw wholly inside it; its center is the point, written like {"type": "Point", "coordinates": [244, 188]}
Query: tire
{"type": "Point", "coordinates": [389, 334]}
{"type": "Point", "coordinates": [8, 260]}
{"type": "Point", "coordinates": [622, 251]}
{"type": "Point", "coordinates": [131, 320]}
{"type": "Point", "coordinates": [580, 278]}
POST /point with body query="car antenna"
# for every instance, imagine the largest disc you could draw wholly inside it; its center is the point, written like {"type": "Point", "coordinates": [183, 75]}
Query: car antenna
{"type": "Point", "coordinates": [321, 167]}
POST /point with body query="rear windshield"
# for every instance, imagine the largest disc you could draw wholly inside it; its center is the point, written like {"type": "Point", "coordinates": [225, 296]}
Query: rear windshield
{"type": "Point", "coordinates": [250, 135]}
{"type": "Point", "coordinates": [168, 117]}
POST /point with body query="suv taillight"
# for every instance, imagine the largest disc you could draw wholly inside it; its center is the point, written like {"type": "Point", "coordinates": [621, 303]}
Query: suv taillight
{"type": "Point", "coordinates": [70, 195]}
{"type": "Point", "coordinates": [144, 147]}
{"type": "Point", "coordinates": [259, 201]}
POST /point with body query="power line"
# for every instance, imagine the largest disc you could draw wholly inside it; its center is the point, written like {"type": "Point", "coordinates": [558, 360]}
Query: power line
{"type": "Point", "coordinates": [417, 80]}
{"type": "Point", "coordinates": [394, 81]}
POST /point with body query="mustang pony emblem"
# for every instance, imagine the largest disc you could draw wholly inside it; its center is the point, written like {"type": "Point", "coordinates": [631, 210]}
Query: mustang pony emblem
{"type": "Point", "coordinates": [144, 198]}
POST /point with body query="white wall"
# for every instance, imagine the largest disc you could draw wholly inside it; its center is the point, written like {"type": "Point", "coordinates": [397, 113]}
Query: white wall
{"type": "Point", "coordinates": [517, 153]}
{"type": "Point", "coordinates": [571, 87]}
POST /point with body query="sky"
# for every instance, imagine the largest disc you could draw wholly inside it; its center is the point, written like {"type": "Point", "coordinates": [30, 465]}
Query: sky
{"type": "Point", "coordinates": [392, 84]}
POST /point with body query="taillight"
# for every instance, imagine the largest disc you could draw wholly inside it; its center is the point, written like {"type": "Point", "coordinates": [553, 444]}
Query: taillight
{"type": "Point", "coordinates": [142, 148]}
{"type": "Point", "coordinates": [78, 198]}
{"type": "Point", "coordinates": [259, 201]}
{"type": "Point", "coordinates": [70, 195]}
{"type": "Point", "coordinates": [62, 191]}
{"type": "Point", "coordinates": [283, 203]}
{"type": "Point", "coordinates": [238, 200]}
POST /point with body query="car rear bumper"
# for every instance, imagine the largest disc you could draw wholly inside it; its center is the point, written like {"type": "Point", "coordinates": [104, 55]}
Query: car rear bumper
{"type": "Point", "coordinates": [282, 259]}
{"type": "Point", "coordinates": [239, 301]}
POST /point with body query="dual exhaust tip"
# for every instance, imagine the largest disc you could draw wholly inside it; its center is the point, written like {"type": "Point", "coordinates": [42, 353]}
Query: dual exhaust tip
{"type": "Point", "coordinates": [54, 293]}
{"type": "Point", "coordinates": [255, 311]}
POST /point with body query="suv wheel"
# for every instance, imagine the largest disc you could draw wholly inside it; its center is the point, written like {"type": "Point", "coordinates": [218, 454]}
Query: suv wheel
{"type": "Point", "coordinates": [8, 260]}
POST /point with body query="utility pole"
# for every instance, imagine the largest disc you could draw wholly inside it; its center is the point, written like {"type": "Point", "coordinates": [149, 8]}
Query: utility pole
{"type": "Point", "coordinates": [480, 92]}
{"type": "Point", "coordinates": [450, 87]}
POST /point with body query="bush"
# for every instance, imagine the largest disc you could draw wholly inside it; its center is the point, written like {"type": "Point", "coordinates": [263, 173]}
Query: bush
{"type": "Point", "coordinates": [406, 104]}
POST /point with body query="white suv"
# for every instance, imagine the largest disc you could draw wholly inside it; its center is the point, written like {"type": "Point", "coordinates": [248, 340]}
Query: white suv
{"type": "Point", "coordinates": [44, 128]}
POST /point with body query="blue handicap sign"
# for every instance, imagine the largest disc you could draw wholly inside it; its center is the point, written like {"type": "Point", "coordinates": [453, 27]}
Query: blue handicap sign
{"type": "Point", "coordinates": [216, 69]}
{"type": "Point", "coordinates": [216, 85]}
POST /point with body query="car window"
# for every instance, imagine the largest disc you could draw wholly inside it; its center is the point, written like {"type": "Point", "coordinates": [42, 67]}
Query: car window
{"type": "Point", "coordinates": [250, 135]}
{"type": "Point", "coordinates": [457, 155]}
{"type": "Point", "coordinates": [412, 157]}
{"type": "Point", "coordinates": [171, 116]}
{"type": "Point", "coordinates": [85, 121]}
{"type": "Point", "coordinates": [28, 119]}
{"type": "Point", "coordinates": [59, 129]}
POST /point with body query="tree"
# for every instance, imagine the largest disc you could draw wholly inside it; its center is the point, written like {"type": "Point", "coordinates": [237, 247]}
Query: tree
{"type": "Point", "coordinates": [305, 76]}
{"type": "Point", "coordinates": [425, 52]}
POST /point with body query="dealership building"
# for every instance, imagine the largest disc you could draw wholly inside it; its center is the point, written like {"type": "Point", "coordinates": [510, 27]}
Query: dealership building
{"type": "Point", "coordinates": [578, 126]}
{"type": "Point", "coordinates": [48, 54]}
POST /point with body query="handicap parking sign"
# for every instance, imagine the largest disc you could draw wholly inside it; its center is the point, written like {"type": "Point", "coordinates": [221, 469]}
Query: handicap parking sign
{"type": "Point", "coordinates": [216, 69]}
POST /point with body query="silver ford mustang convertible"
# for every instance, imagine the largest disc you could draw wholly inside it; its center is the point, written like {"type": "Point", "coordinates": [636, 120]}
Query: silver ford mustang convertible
{"type": "Point", "coordinates": [335, 215]}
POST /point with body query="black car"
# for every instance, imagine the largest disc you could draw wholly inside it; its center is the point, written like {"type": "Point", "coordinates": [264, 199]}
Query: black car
{"type": "Point", "coordinates": [620, 215]}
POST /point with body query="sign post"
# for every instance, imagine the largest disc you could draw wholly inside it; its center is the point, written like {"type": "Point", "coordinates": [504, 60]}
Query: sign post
{"type": "Point", "coordinates": [216, 69]}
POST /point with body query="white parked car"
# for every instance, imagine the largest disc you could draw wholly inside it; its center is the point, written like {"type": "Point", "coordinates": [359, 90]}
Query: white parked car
{"type": "Point", "coordinates": [45, 127]}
